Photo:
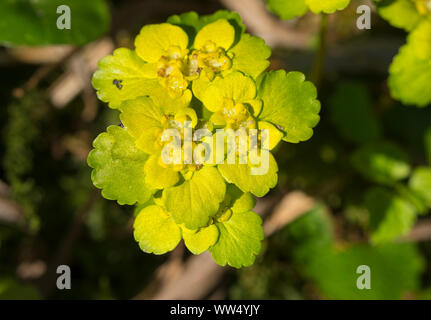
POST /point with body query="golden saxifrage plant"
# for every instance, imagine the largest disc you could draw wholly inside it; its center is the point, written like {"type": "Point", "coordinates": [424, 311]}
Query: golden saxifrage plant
{"type": "Point", "coordinates": [207, 72]}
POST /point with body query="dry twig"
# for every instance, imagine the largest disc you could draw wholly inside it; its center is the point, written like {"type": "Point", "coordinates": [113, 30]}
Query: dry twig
{"type": "Point", "coordinates": [265, 25]}
{"type": "Point", "coordinates": [78, 75]}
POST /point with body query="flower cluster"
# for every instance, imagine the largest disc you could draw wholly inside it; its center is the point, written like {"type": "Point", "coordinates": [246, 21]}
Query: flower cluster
{"type": "Point", "coordinates": [196, 73]}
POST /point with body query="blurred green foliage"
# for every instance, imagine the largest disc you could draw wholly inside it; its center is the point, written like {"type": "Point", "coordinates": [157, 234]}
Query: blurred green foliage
{"type": "Point", "coordinates": [309, 250]}
{"type": "Point", "coordinates": [357, 122]}
{"type": "Point", "coordinates": [10, 289]}
{"type": "Point", "coordinates": [390, 215]}
{"type": "Point", "coordinates": [27, 22]}
{"type": "Point", "coordinates": [20, 134]}
{"type": "Point", "coordinates": [382, 162]}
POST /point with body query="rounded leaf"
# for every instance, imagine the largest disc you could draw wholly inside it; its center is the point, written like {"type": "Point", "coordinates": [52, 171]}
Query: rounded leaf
{"type": "Point", "coordinates": [409, 78]}
{"type": "Point", "coordinates": [288, 9]}
{"type": "Point", "coordinates": [159, 177]}
{"type": "Point", "coordinates": [239, 240]}
{"type": "Point", "coordinates": [274, 135]}
{"type": "Point", "coordinates": [399, 13]}
{"type": "Point", "coordinates": [119, 167]}
{"type": "Point", "coordinates": [196, 200]}
{"type": "Point", "coordinates": [220, 32]}
{"type": "Point", "coordinates": [290, 103]}
{"type": "Point", "coordinates": [155, 231]}
{"type": "Point", "coordinates": [124, 76]}
{"type": "Point", "coordinates": [200, 241]}
{"type": "Point", "coordinates": [326, 6]}
{"type": "Point", "coordinates": [154, 39]}
{"type": "Point", "coordinates": [144, 118]}
{"type": "Point", "coordinates": [250, 55]}
{"type": "Point", "coordinates": [420, 40]}
{"type": "Point", "coordinates": [235, 86]}
{"type": "Point", "coordinates": [259, 183]}
{"type": "Point", "coordinates": [240, 201]}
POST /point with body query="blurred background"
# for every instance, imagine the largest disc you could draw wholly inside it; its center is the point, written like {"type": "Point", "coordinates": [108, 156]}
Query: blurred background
{"type": "Point", "coordinates": [326, 217]}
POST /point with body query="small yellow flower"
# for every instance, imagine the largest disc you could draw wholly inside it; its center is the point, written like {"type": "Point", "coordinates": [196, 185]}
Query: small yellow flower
{"type": "Point", "coordinates": [166, 46]}
{"type": "Point", "coordinates": [167, 64]}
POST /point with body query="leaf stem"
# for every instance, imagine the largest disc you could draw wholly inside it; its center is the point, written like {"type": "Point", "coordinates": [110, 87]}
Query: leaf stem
{"type": "Point", "coordinates": [319, 59]}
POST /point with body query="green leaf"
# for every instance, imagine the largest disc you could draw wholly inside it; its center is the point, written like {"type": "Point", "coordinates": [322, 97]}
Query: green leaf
{"type": "Point", "coordinates": [154, 40]}
{"type": "Point", "coordinates": [409, 77]}
{"type": "Point", "coordinates": [144, 117]}
{"type": "Point", "coordinates": [240, 201]}
{"type": "Point", "coordinates": [199, 241]}
{"type": "Point", "coordinates": [382, 162]}
{"type": "Point", "coordinates": [233, 17]}
{"type": "Point", "coordinates": [311, 234]}
{"type": "Point", "coordinates": [31, 23]}
{"type": "Point", "coordinates": [399, 13]}
{"type": "Point", "coordinates": [288, 9]}
{"type": "Point", "coordinates": [390, 215]}
{"type": "Point", "coordinates": [236, 86]}
{"type": "Point", "coordinates": [412, 197]}
{"type": "Point", "coordinates": [290, 103]}
{"type": "Point", "coordinates": [258, 184]}
{"type": "Point", "coordinates": [326, 6]}
{"type": "Point", "coordinates": [220, 32]}
{"type": "Point", "coordinates": [199, 86]}
{"type": "Point", "coordinates": [420, 184]}
{"type": "Point", "coordinates": [186, 20]}
{"type": "Point", "coordinates": [239, 240]}
{"type": "Point", "coordinates": [119, 167]}
{"type": "Point", "coordinates": [124, 76]}
{"type": "Point", "coordinates": [352, 114]}
{"type": "Point", "coordinates": [191, 22]}
{"type": "Point", "coordinates": [420, 40]}
{"type": "Point", "coordinates": [196, 200]}
{"type": "Point", "coordinates": [250, 55]}
{"type": "Point", "coordinates": [274, 134]}
{"type": "Point", "coordinates": [155, 231]}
